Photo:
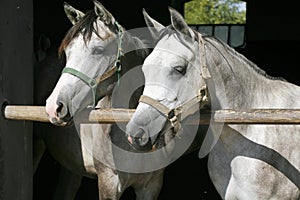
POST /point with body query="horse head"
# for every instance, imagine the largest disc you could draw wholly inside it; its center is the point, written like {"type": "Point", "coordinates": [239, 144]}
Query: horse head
{"type": "Point", "coordinates": [93, 48]}
{"type": "Point", "coordinates": [174, 82]}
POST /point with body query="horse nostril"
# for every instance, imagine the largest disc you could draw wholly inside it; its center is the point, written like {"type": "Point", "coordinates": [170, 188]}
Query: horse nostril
{"type": "Point", "coordinates": [61, 110]}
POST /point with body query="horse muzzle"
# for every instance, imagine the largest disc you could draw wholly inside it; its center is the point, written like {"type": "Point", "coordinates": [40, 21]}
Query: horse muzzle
{"type": "Point", "coordinates": [59, 114]}
{"type": "Point", "coordinates": [140, 141]}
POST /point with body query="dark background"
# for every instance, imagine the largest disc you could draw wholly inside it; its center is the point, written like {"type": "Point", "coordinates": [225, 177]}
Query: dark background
{"type": "Point", "coordinates": [272, 41]}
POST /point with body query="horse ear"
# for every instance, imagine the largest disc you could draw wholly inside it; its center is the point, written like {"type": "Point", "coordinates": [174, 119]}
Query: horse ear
{"type": "Point", "coordinates": [154, 26]}
{"type": "Point", "coordinates": [179, 23]}
{"type": "Point", "coordinates": [102, 13]}
{"type": "Point", "coordinates": [72, 14]}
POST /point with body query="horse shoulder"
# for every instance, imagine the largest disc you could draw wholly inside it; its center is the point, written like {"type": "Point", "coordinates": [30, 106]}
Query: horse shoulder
{"type": "Point", "coordinates": [258, 167]}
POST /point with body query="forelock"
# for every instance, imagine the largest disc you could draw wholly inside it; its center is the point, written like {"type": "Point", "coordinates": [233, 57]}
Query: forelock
{"type": "Point", "coordinates": [85, 27]}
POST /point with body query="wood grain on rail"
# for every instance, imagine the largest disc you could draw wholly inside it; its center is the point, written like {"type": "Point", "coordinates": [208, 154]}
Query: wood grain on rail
{"type": "Point", "coordinates": [113, 115]}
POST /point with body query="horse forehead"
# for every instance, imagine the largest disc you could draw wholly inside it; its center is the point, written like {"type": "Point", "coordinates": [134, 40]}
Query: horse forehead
{"type": "Point", "coordinates": [76, 42]}
{"type": "Point", "coordinates": [174, 48]}
{"type": "Point", "coordinates": [80, 46]}
{"type": "Point", "coordinates": [103, 34]}
{"type": "Point", "coordinates": [75, 48]}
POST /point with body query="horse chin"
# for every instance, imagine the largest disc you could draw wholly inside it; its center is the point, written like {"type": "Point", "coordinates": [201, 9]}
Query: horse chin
{"type": "Point", "coordinates": [144, 143]}
{"type": "Point", "coordinates": [143, 133]}
{"type": "Point", "coordinates": [140, 143]}
{"type": "Point", "coordinates": [61, 122]}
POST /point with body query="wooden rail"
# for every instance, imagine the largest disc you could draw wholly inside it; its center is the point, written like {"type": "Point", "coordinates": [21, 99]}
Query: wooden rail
{"type": "Point", "coordinates": [254, 116]}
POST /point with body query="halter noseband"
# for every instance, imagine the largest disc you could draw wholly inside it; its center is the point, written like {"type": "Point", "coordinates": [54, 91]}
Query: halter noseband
{"type": "Point", "coordinates": [115, 70]}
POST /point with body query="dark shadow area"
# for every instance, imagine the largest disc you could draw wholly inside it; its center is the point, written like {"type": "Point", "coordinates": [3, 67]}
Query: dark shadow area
{"type": "Point", "coordinates": [186, 178]}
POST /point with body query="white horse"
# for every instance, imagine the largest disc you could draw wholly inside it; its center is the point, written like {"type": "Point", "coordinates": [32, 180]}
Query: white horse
{"type": "Point", "coordinates": [245, 161]}
{"type": "Point", "coordinates": [93, 48]}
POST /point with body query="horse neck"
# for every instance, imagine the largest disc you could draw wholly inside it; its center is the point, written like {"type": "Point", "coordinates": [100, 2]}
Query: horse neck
{"type": "Point", "coordinates": [233, 80]}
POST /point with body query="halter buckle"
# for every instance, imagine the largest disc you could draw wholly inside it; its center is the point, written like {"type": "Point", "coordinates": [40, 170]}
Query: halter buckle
{"type": "Point", "coordinates": [203, 92]}
{"type": "Point", "coordinates": [172, 117]}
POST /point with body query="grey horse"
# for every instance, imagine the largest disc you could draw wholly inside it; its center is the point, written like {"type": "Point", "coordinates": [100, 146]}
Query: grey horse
{"type": "Point", "coordinates": [92, 46]}
{"type": "Point", "coordinates": [245, 161]}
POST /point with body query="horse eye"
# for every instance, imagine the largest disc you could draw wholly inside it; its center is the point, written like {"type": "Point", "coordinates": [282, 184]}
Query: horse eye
{"type": "Point", "coordinates": [180, 69]}
{"type": "Point", "coordinates": [97, 51]}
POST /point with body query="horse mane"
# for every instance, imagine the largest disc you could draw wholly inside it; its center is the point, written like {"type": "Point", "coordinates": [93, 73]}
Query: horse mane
{"type": "Point", "coordinates": [170, 30]}
{"type": "Point", "coordinates": [85, 26]}
{"type": "Point", "coordinates": [234, 53]}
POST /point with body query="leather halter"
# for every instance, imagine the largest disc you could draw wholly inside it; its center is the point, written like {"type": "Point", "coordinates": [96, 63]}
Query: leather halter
{"type": "Point", "coordinates": [175, 115]}
{"type": "Point", "coordinates": [94, 82]}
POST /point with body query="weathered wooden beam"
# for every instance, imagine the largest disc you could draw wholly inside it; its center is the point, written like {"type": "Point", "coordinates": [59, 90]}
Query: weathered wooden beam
{"type": "Point", "coordinates": [258, 116]}
{"type": "Point", "coordinates": [253, 116]}
{"type": "Point", "coordinates": [38, 113]}
{"type": "Point", "coordinates": [30, 113]}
